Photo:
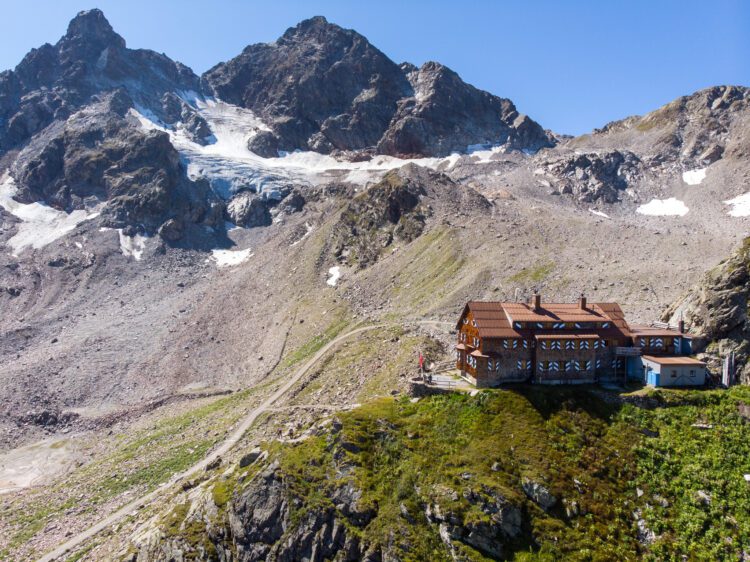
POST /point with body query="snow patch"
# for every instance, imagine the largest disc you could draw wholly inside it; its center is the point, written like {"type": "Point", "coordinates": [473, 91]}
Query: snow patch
{"type": "Point", "coordinates": [694, 177]}
{"type": "Point", "coordinates": [664, 208]}
{"type": "Point", "coordinates": [40, 224]}
{"type": "Point", "coordinates": [599, 213]}
{"type": "Point", "coordinates": [740, 206]}
{"type": "Point", "coordinates": [334, 274]}
{"type": "Point", "coordinates": [230, 167]}
{"type": "Point", "coordinates": [132, 246]}
{"type": "Point", "coordinates": [229, 258]}
{"type": "Point", "coordinates": [482, 154]}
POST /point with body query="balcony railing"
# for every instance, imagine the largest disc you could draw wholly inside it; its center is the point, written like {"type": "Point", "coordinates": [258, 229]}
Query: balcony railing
{"type": "Point", "coordinates": [628, 351]}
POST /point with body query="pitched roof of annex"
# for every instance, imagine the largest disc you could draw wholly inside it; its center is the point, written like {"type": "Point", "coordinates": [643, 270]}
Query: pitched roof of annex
{"type": "Point", "coordinates": [639, 330]}
{"type": "Point", "coordinates": [674, 360]}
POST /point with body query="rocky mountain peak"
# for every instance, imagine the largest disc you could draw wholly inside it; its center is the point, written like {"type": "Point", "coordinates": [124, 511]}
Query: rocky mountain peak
{"type": "Point", "coordinates": [54, 81]}
{"type": "Point", "coordinates": [91, 28]}
{"type": "Point", "coordinates": [325, 88]}
{"type": "Point", "coordinates": [313, 26]}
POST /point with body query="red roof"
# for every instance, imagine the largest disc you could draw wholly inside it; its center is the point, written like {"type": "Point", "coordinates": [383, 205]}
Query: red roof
{"type": "Point", "coordinates": [495, 319]}
{"type": "Point", "coordinates": [554, 312]}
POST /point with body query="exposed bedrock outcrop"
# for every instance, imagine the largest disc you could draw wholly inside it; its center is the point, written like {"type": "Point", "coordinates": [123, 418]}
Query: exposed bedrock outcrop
{"type": "Point", "coordinates": [717, 310]}
{"type": "Point", "coordinates": [592, 176]}
{"type": "Point", "coordinates": [101, 154]}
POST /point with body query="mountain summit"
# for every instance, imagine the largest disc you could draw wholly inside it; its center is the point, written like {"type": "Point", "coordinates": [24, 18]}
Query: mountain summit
{"type": "Point", "coordinates": [53, 81]}
{"type": "Point", "coordinates": [325, 88]}
{"type": "Point", "coordinates": [92, 29]}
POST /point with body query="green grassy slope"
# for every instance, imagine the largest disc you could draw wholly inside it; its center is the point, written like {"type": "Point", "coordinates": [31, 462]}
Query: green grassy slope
{"type": "Point", "coordinates": [603, 462]}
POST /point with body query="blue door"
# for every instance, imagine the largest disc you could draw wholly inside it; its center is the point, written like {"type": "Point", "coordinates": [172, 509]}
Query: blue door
{"type": "Point", "coordinates": [652, 378]}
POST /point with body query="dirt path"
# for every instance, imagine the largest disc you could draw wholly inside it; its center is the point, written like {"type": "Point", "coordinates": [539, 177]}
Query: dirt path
{"type": "Point", "coordinates": [225, 446]}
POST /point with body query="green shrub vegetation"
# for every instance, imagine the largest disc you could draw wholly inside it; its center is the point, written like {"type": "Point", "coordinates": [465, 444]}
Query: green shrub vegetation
{"type": "Point", "coordinates": [631, 482]}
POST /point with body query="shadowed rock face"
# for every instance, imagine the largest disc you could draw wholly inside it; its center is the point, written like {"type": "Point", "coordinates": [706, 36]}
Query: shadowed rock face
{"type": "Point", "coordinates": [445, 115]}
{"type": "Point", "coordinates": [100, 153]}
{"type": "Point", "coordinates": [325, 88]}
{"type": "Point", "coordinates": [716, 310]}
{"type": "Point", "coordinates": [53, 81]}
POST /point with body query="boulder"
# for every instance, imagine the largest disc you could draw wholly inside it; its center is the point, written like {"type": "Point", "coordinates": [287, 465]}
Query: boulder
{"type": "Point", "coordinates": [265, 144]}
{"type": "Point", "coordinates": [250, 457]}
{"type": "Point", "coordinates": [172, 230]}
{"type": "Point", "coordinates": [539, 494]}
{"type": "Point", "coordinates": [248, 210]}
{"type": "Point", "coordinates": [595, 176]}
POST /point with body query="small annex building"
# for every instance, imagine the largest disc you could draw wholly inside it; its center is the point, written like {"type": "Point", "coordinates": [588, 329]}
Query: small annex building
{"type": "Point", "coordinates": [673, 371]}
{"type": "Point", "coordinates": [565, 343]}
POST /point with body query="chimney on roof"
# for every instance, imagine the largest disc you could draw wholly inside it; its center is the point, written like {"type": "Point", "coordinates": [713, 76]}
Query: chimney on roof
{"type": "Point", "coordinates": [582, 302]}
{"type": "Point", "coordinates": [681, 326]}
{"type": "Point", "coordinates": [536, 301]}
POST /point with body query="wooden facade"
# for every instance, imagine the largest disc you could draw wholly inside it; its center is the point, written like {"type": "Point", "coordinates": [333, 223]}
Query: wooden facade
{"type": "Point", "coordinates": [550, 343]}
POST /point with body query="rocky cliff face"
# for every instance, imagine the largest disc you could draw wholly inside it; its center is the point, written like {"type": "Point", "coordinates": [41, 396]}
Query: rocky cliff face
{"type": "Point", "coordinates": [717, 310]}
{"type": "Point", "coordinates": [101, 154]}
{"type": "Point", "coordinates": [592, 176]}
{"type": "Point", "coordinates": [54, 81]}
{"type": "Point", "coordinates": [324, 88]}
{"type": "Point", "coordinates": [270, 519]}
{"type": "Point", "coordinates": [395, 210]}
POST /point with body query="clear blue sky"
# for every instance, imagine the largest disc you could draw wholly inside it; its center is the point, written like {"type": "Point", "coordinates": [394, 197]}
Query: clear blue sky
{"type": "Point", "coordinates": [572, 66]}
